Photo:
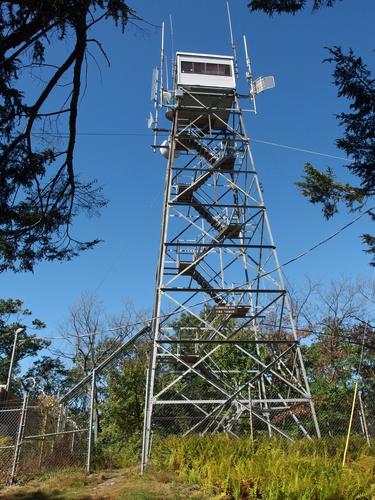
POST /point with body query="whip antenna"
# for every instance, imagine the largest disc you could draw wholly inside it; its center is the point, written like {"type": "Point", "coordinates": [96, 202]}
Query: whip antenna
{"type": "Point", "coordinates": [232, 41]}
{"type": "Point", "coordinates": [161, 65]}
{"type": "Point", "coordinates": [249, 74]}
{"type": "Point", "coordinates": [157, 91]}
{"type": "Point", "coordinates": [172, 46]}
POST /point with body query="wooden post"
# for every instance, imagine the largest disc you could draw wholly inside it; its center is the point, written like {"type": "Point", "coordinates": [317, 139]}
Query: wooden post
{"type": "Point", "coordinates": [350, 424]}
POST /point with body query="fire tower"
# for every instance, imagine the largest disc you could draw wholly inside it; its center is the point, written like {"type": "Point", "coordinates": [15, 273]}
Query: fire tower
{"type": "Point", "coordinates": [225, 355]}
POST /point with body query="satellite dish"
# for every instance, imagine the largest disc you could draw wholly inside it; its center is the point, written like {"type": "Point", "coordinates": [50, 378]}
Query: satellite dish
{"type": "Point", "coordinates": [263, 83]}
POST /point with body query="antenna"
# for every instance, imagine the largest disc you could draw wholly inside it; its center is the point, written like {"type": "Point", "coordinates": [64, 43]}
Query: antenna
{"type": "Point", "coordinates": [161, 65]}
{"type": "Point", "coordinates": [172, 46]}
{"type": "Point", "coordinates": [232, 41]}
{"type": "Point", "coordinates": [154, 85]}
{"type": "Point", "coordinates": [154, 96]}
{"type": "Point", "coordinates": [166, 71]}
{"type": "Point", "coordinates": [264, 83]}
{"type": "Point", "coordinates": [157, 91]}
{"type": "Point", "coordinates": [260, 84]}
{"type": "Point", "coordinates": [249, 74]}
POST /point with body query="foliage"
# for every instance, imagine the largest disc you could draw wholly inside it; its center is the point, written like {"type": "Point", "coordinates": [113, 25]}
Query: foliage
{"type": "Point", "coordinates": [339, 352]}
{"type": "Point", "coordinates": [90, 336]}
{"type": "Point", "coordinates": [13, 315]}
{"type": "Point", "coordinates": [354, 82]}
{"type": "Point", "coordinates": [330, 363]}
{"type": "Point", "coordinates": [51, 375]}
{"type": "Point", "coordinates": [40, 190]}
{"type": "Point", "coordinates": [5, 440]}
{"type": "Point", "coordinates": [115, 455]}
{"type": "Point", "coordinates": [287, 6]}
{"type": "Point", "coordinates": [124, 405]}
{"type": "Point", "coordinates": [122, 414]}
{"type": "Point", "coordinates": [270, 468]}
{"type": "Point", "coordinates": [125, 484]}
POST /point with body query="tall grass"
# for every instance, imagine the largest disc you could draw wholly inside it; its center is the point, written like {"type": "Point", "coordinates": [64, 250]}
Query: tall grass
{"type": "Point", "coordinates": [272, 469]}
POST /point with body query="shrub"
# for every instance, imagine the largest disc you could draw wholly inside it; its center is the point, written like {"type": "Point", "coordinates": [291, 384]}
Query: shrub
{"type": "Point", "coordinates": [271, 469]}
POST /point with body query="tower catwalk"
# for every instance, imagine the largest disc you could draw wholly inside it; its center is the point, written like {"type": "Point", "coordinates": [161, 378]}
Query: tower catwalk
{"type": "Point", "coordinates": [225, 356]}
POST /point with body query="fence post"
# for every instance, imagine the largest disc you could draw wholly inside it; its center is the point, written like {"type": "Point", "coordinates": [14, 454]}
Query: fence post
{"type": "Point", "coordinates": [363, 418]}
{"type": "Point", "coordinates": [44, 427]}
{"type": "Point", "coordinates": [91, 419]}
{"type": "Point", "coordinates": [251, 415]}
{"type": "Point", "coordinates": [21, 427]}
{"type": "Point", "coordinates": [59, 425]}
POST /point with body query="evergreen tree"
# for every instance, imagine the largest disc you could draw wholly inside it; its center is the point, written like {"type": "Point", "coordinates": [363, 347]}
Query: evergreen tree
{"type": "Point", "coordinates": [288, 6]}
{"type": "Point", "coordinates": [354, 82]}
{"type": "Point", "coordinates": [51, 376]}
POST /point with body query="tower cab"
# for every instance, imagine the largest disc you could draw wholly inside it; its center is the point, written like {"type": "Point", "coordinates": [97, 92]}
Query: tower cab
{"type": "Point", "coordinates": [205, 87]}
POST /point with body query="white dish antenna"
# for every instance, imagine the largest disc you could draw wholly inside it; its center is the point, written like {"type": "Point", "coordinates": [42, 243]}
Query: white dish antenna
{"type": "Point", "coordinates": [263, 83]}
{"type": "Point", "coordinates": [164, 149]}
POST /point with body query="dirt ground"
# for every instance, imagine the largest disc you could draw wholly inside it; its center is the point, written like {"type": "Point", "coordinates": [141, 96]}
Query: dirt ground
{"type": "Point", "coordinates": [125, 484]}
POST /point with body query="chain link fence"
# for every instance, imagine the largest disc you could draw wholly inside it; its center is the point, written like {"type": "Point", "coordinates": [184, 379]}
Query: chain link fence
{"type": "Point", "coordinates": [10, 420]}
{"type": "Point", "coordinates": [40, 435]}
{"type": "Point", "coordinates": [248, 414]}
{"type": "Point", "coordinates": [114, 397]}
{"type": "Point", "coordinates": [334, 416]}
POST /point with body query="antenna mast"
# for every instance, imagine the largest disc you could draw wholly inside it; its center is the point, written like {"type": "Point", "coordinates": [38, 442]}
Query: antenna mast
{"type": "Point", "coordinates": [232, 41]}
{"type": "Point", "coordinates": [172, 46]}
{"type": "Point", "coordinates": [260, 84]}
{"type": "Point", "coordinates": [249, 75]}
{"type": "Point", "coordinates": [157, 91]}
{"type": "Point", "coordinates": [161, 66]}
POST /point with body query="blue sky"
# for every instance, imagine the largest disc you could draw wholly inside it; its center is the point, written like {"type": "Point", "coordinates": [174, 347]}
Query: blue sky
{"type": "Point", "coordinates": [298, 112]}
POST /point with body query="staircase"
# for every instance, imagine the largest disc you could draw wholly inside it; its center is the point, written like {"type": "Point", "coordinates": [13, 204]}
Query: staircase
{"type": "Point", "coordinates": [189, 269]}
{"type": "Point", "coordinates": [186, 195]}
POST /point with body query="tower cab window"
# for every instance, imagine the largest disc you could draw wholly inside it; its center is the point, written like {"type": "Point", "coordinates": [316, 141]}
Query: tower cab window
{"type": "Point", "coordinates": [201, 68]}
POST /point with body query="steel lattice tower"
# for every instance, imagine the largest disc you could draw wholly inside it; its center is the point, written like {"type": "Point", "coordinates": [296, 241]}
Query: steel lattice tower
{"type": "Point", "coordinates": [225, 355]}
